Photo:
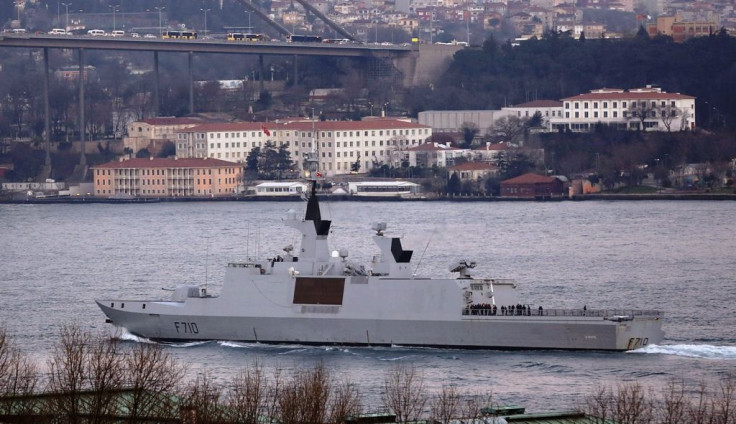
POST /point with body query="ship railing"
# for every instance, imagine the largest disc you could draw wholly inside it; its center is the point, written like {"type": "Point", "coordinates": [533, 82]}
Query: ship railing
{"type": "Point", "coordinates": [600, 313]}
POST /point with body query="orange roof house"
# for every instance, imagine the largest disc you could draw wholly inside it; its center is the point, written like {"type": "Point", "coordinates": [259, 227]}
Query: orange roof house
{"type": "Point", "coordinates": [532, 186]}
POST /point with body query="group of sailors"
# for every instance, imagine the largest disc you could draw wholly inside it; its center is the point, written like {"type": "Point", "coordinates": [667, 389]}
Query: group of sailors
{"type": "Point", "coordinates": [488, 309]}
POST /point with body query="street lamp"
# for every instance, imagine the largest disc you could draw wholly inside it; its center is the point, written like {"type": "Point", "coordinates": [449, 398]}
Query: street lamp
{"type": "Point", "coordinates": [160, 9]}
{"type": "Point", "coordinates": [205, 20]}
{"type": "Point", "coordinates": [250, 28]}
{"type": "Point", "coordinates": [114, 9]}
{"type": "Point", "coordinates": [66, 5]}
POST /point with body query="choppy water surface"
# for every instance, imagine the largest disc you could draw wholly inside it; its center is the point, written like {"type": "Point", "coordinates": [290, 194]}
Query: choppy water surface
{"type": "Point", "coordinates": [676, 256]}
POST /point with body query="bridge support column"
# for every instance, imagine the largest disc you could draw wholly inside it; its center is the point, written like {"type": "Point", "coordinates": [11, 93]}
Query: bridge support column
{"type": "Point", "coordinates": [82, 122]}
{"type": "Point", "coordinates": [156, 106]}
{"type": "Point", "coordinates": [191, 84]}
{"type": "Point", "coordinates": [260, 72]}
{"type": "Point", "coordinates": [46, 112]}
{"type": "Point", "coordinates": [296, 71]}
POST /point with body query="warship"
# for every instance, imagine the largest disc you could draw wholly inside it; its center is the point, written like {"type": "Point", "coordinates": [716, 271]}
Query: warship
{"type": "Point", "coordinates": [319, 296]}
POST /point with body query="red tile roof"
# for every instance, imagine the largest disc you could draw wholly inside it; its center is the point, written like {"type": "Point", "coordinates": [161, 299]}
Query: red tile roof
{"type": "Point", "coordinates": [627, 95]}
{"type": "Point", "coordinates": [166, 163]}
{"type": "Point", "coordinates": [171, 121]}
{"type": "Point", "coordinates": [540, 103]}
{"type": "Point", "coordinates": [377, 124]}
{"type": "Point", "coordinates": [529, 178]}
{"type": "Point", "coordinates": [230, 126]}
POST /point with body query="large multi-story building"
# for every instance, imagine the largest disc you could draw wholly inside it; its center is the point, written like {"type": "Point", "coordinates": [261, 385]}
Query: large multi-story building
{"type": "Point", "coordinates": [647, 109]}
{"type": "Point", "coordinates": [152, 133]}
{"type": "Point", "coordinates": [338, 144]}
{"type": "Point", "coordinates": [681, 29]}
{"type": "Point", "coordinates": [170, 177]}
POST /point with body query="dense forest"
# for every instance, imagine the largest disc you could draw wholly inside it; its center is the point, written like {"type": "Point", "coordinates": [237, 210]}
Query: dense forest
{"type": "Point", "coordinates": [558, 66]}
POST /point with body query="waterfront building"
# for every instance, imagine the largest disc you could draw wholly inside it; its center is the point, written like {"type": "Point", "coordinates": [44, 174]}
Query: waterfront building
{"type": "Point", "coordinates": [647, 109]}
{"type": "Point", "coordinates": [533, 186]}
{"type": "Point", "coordinates": [339, 145]}
{"type": "Point", "coordinates": [273, 188]}
{"type": "Point", "coordinates": [474, 171]}
{"type": "Point", "coordinates": [169, 177]}
{"type": "Point", "coordinates": [152, 133]}
{"type": "Point", "coordinates": [384, 188]}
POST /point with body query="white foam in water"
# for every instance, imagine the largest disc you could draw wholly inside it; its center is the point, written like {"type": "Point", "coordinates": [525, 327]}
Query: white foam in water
{"type": "Point", "coordinates": [126, 336]}
{"type": "Point", "coordinates": [692, 351]}
{"type": "Point", "coordinates": [234, 344]}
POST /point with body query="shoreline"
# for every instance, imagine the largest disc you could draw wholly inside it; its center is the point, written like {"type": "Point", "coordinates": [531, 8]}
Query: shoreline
{"type": "Point", "coordinates": [344, 198]}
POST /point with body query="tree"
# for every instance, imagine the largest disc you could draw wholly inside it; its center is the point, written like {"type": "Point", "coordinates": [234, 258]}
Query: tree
{"type": "Point", "coordinates": [508, 128]}
{"type": "Point", "coordinates": [643, 110]}
{"type": "Point", "coordinates": [143, 153]}
{"type": "Point", "coordinates": [454, 185]}
{"type": "Point", "coordinates": [68, 371]}
{"type": "Point", "coordinates": [252, 161]}
{"type": "Point", "coordinates": [355, 166]}
{"type": "Point", "coordinates": [168, 149]}
{"type": "Point", "coordinates": [152, 375]}
{"type": "Point", "coordinates": [18, 377]}
{"type": "Point", "coordinates": [404, 392]}
{"type": "Point", "coordinates": [469, 130]}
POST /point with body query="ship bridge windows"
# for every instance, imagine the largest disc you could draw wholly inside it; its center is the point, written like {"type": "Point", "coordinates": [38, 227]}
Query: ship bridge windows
{"type": "Point", "coordinates": [476, 287]}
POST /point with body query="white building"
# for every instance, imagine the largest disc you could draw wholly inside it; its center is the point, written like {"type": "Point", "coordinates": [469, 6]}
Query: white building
{"type": "Point", "coordinates": [280, 189]}
{"type": "Point", "coordinates": [383, 188]}
{"type": "Point", "coordinates": [338, 144]}
{"type": "Point", "coordinates": [228, 141]}
{"type": "Point", "coordinates": [454, 120]}
{"type": "Point", "coordinates": [435, 154]}
{"type": "Point", "coordinates": [655, 109]}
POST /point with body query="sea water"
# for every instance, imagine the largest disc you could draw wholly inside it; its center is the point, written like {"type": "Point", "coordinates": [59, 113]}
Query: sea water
{"type": "Point", "coordinates": [677, 256]}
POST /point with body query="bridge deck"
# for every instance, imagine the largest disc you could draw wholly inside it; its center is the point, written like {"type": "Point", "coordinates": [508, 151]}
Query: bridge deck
{"type": "Point", "coordinates": [202, 46]}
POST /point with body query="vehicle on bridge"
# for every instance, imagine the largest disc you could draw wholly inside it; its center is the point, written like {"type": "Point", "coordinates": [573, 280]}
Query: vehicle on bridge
{"type": "Point", "coordinates": [239, 36]}
{"type": "Point", "coordinates": [95, 32]}
{"type": "Point", "coordinates": [58, 31]}
{"type": "Point", "coordinates": [179, 35]}
{"type": "Point", "coordinates": [336, 41]}
{"type": "Point", "coordinates": [293, 38]}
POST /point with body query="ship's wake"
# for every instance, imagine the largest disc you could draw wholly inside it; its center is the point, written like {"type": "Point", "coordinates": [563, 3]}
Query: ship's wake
{"type": "Point", "coordinates": [126, 336]}
{"type": "Point", "coordinates": [691, 351]}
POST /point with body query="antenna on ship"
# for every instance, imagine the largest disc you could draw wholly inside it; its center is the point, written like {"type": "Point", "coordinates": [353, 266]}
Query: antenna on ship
{"type": "Point", "coordinates": [416, 269]}
{"type": "Point", "coordinates": [206, 262]}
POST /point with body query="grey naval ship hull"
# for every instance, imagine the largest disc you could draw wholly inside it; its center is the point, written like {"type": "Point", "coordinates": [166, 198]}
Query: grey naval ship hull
{"type": "Point", "coordinates": [590, 330]}
{"type": "Point", "coordinates": [321, 297]}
